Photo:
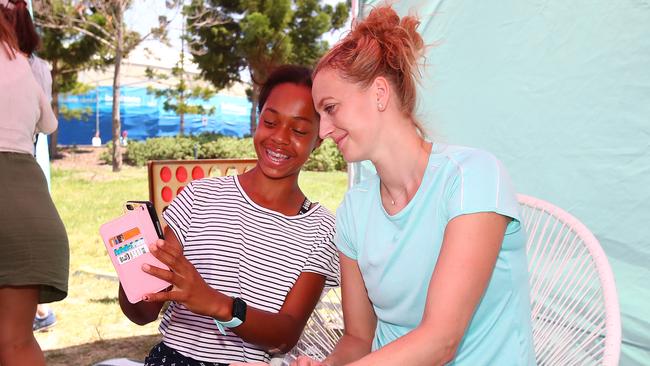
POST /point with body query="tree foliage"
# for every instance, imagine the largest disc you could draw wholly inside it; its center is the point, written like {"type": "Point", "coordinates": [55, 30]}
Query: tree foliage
{"type": "Point", "coordinates": [228, 37]}
{"type": "Point", "coordinates": [103, 20]}
{"type": "Point", "coordinates": [180, 97]}
{"type": "Point", "coordinates": [68, 51]}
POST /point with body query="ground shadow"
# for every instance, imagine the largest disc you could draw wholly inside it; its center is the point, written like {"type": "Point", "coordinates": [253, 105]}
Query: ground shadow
{"type": "Point", "coordinates": [64, 151]}
{"type": "Point", "coordinates": [135, 348]}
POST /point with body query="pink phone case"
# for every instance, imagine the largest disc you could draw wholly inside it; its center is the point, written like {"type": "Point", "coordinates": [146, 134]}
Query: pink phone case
{"type": "Point", "coordinates": [126, 239]}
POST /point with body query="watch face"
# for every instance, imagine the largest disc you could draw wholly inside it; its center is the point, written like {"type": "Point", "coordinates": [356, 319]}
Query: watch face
{"type": "Point", "coordinates": [239, 309]}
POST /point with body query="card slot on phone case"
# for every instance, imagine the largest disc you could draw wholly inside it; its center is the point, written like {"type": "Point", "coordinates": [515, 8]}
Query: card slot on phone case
{"type": "Point", "coordinates": [126, 239]}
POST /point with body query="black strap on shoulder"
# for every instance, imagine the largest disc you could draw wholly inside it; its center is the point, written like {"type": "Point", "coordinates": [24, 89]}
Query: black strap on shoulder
{"type": "Point", "coordinates": [306, 205]}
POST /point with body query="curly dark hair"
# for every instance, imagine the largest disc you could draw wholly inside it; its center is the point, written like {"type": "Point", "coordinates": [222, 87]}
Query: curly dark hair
{"type": "Point", "coordinates": [292, 74]}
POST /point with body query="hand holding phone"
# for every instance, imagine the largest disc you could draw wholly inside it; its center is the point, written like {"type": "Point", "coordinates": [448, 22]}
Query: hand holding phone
{"type": "Point", "coordinates": [188, 286]}
{"type": "Point", "coordinates": [127, 241]}
{"type": "Point", "coordinates": [132, 205]}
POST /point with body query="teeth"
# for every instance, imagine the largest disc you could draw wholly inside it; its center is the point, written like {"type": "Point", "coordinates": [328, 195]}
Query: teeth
{"type": "Point", "coordinates": [276, 156]}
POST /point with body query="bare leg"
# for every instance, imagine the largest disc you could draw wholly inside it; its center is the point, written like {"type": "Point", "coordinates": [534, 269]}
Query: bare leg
{"type": "Point", "coordinates": [18, 347]}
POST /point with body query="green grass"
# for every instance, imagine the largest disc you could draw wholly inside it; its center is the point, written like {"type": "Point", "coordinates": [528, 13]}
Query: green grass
{"type": "Point", "coordinates": [90, 324]}
{"type": "Point", "coordinates": [327, 188]}
{"type": "Point", "coordinates": [87, 199]}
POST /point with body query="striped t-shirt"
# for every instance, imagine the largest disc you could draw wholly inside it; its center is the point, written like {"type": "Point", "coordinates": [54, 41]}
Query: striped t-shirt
{"type": "Point", "coordinates": [243, 250]}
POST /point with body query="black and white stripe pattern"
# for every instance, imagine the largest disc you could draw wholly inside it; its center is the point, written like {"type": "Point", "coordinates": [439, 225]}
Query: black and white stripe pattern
{"type": "Point", "coordinates": [244, 250]}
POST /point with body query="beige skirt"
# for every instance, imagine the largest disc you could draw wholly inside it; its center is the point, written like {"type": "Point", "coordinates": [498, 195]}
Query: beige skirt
{"type": "Point", "coordinates": [33, 239]}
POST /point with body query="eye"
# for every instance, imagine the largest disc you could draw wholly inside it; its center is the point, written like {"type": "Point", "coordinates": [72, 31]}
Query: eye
{"type": "Point", "coordinates": [330, 108]}
{"type": "Point", "coordinates": [299, 132]}
{"type": "Point", "coordinates": [269, 123]}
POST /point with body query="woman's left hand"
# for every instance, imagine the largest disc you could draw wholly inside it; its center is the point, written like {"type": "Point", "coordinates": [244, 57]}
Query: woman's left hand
{"type": "Point", "coordinates": [188, 287]}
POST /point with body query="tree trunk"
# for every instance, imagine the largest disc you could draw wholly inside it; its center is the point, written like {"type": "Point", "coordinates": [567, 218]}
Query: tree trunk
{"type": "Point", "coordinates": [181, 105]}
{"type": "Point", "coordinates": [255, 96]}
{"type": "Point", "coordinates": [119, 43]}
{"type": "Point", "coordinates": [55, 108]}
{"type": "Point", "coordinates": [182, 130]}
{"type": "Point", "coordinates": [181, 102]}
{"type": "Point", "coordinates": [254, 101]}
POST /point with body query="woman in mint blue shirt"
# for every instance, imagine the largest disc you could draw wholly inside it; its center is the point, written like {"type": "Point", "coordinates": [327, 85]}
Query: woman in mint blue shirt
{"type": "Point", "coordinates": [433, 256]}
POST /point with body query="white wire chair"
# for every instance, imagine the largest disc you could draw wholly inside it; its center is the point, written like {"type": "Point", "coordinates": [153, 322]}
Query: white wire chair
{"type": "Point", "coordinates": [323, 329]}
{"type": "Point", "coordinates": [575, 312]}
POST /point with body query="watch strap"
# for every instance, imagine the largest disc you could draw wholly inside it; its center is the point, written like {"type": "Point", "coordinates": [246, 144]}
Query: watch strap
{"type": "Point", "coordinates": [238, 316]}
{"type": "Point", "coordinates": [232, 323]}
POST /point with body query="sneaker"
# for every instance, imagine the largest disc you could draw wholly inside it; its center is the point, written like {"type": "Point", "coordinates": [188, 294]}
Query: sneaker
{"type": "Point", "coordinates": [45, 323]}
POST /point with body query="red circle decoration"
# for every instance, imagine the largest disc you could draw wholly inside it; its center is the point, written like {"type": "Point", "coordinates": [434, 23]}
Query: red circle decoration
{"type": "Point", "coordinates": [165, 174]}
{"type": "Point", "coordinates": [181, 174]}
{"type": "Point", "coordinates": [180, 189]}
{"type": "Point", "coordinates": [197, 172]}
{"type": "Point", "coordinates": [166, 194]}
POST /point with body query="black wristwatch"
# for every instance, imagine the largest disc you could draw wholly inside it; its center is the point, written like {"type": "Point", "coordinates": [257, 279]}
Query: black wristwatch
{"type": "Point", "coordinates": [238, 315]}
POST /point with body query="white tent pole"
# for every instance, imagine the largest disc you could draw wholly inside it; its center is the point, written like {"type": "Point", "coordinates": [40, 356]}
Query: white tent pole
{"type": "Point", "coordinates": [354, 169]}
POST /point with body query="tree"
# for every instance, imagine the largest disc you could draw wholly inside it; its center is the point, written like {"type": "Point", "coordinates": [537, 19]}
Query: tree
{"type": "Point", "coordinates": [110, 31]}
{"type": "Point", "coordinates": [68, 51]}
{"type": "Point", "coordinates": [229, 36]}
{"type": "Point", "coordinates": [179, 97]}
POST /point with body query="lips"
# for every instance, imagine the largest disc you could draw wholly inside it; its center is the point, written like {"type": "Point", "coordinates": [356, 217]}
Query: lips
{"type": "Point", "coordinates": [276, 156]}
{"type": "Point", "coordinates": [339, 140]}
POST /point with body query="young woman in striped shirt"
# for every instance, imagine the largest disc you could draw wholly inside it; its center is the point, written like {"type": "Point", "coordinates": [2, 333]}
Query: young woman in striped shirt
{"type": "Point", "coordinates": [249, 254]}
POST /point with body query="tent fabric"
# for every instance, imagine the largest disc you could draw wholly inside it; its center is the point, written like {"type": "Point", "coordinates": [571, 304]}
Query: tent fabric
{"type": "Point", "coordinates": [560, 92]}
{"type": "Point", "coordinates": [142, 116]}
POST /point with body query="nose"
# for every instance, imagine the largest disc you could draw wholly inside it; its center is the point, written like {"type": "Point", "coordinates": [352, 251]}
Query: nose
{"type": "Point", "coordinates": [281, 134]}
{"type": "Point", "coordinates": [326, 128]}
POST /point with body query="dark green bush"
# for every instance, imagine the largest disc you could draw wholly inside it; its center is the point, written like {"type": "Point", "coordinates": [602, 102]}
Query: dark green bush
{"type": "Point", "coordinates": [106, 156]}
{"type": "Point", "coordinates": [326, 158]}
{"type": "Point", "coordinates": [227, 147]}
{"type": "Point", "coordinates": [214, 146]}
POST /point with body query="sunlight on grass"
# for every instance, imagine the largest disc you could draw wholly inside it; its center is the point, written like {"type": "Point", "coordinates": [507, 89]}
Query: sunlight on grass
{"type": "Point", "coordinates": [85, 200]}
{"type": "Point", "coordinates": [327, 188]}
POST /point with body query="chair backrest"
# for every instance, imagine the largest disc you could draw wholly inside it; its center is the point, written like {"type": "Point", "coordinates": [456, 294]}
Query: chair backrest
{"type": "Point", "coordinates": [167, 178]}
{"type": "Point", "coordinates": [575, 312]}
{"type": "Point", "coordinates": [323, 329]}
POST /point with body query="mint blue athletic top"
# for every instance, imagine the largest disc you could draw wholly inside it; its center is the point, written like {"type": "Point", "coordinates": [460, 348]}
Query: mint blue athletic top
{"type": "Point", "coordinates": [397, 254]}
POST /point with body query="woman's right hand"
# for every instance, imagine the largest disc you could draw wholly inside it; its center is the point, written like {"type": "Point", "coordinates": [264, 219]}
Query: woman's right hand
{"type": "Point", "coordinates": [307, 361]}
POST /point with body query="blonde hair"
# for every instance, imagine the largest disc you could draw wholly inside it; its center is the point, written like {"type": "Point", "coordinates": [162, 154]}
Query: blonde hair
{"type": "Point", "coordinates": [381, 45]}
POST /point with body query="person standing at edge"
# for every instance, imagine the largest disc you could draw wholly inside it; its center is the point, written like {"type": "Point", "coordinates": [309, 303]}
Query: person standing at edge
{"type": "Point", "coordinates": [35, 261]}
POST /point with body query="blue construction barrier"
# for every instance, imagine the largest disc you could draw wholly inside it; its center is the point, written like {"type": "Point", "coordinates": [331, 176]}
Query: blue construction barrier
{"type": "Point", "coordinates": [143, 116]}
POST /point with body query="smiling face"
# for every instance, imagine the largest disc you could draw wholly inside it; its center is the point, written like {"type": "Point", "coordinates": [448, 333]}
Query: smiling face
{"type": "Point", "coordinates": [347, 114]}
{"type": "Point", "coordinates": [287, 131]}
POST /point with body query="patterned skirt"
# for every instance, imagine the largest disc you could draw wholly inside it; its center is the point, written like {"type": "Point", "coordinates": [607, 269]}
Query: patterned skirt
{"type": "Point", "coordinates": [162, 355]}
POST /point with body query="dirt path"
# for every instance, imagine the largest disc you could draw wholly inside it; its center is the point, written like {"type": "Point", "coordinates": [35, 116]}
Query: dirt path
{"type": "Point", "coordinates": [79, 157]}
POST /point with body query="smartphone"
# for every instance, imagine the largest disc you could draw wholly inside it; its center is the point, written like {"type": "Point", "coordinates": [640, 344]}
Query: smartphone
{"type": "Point", "coordinates": [127, 239]}
{"type": "Point", "coordinates": [132, 205]}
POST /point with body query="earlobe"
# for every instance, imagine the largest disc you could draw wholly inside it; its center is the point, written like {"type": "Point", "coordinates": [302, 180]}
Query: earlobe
{"type": "Point", "coordinates": [382, 91]}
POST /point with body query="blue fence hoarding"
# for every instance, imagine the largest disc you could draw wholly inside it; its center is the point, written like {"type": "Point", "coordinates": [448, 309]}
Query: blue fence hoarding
{"type": "Point", "coordinates": [143, 116]}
